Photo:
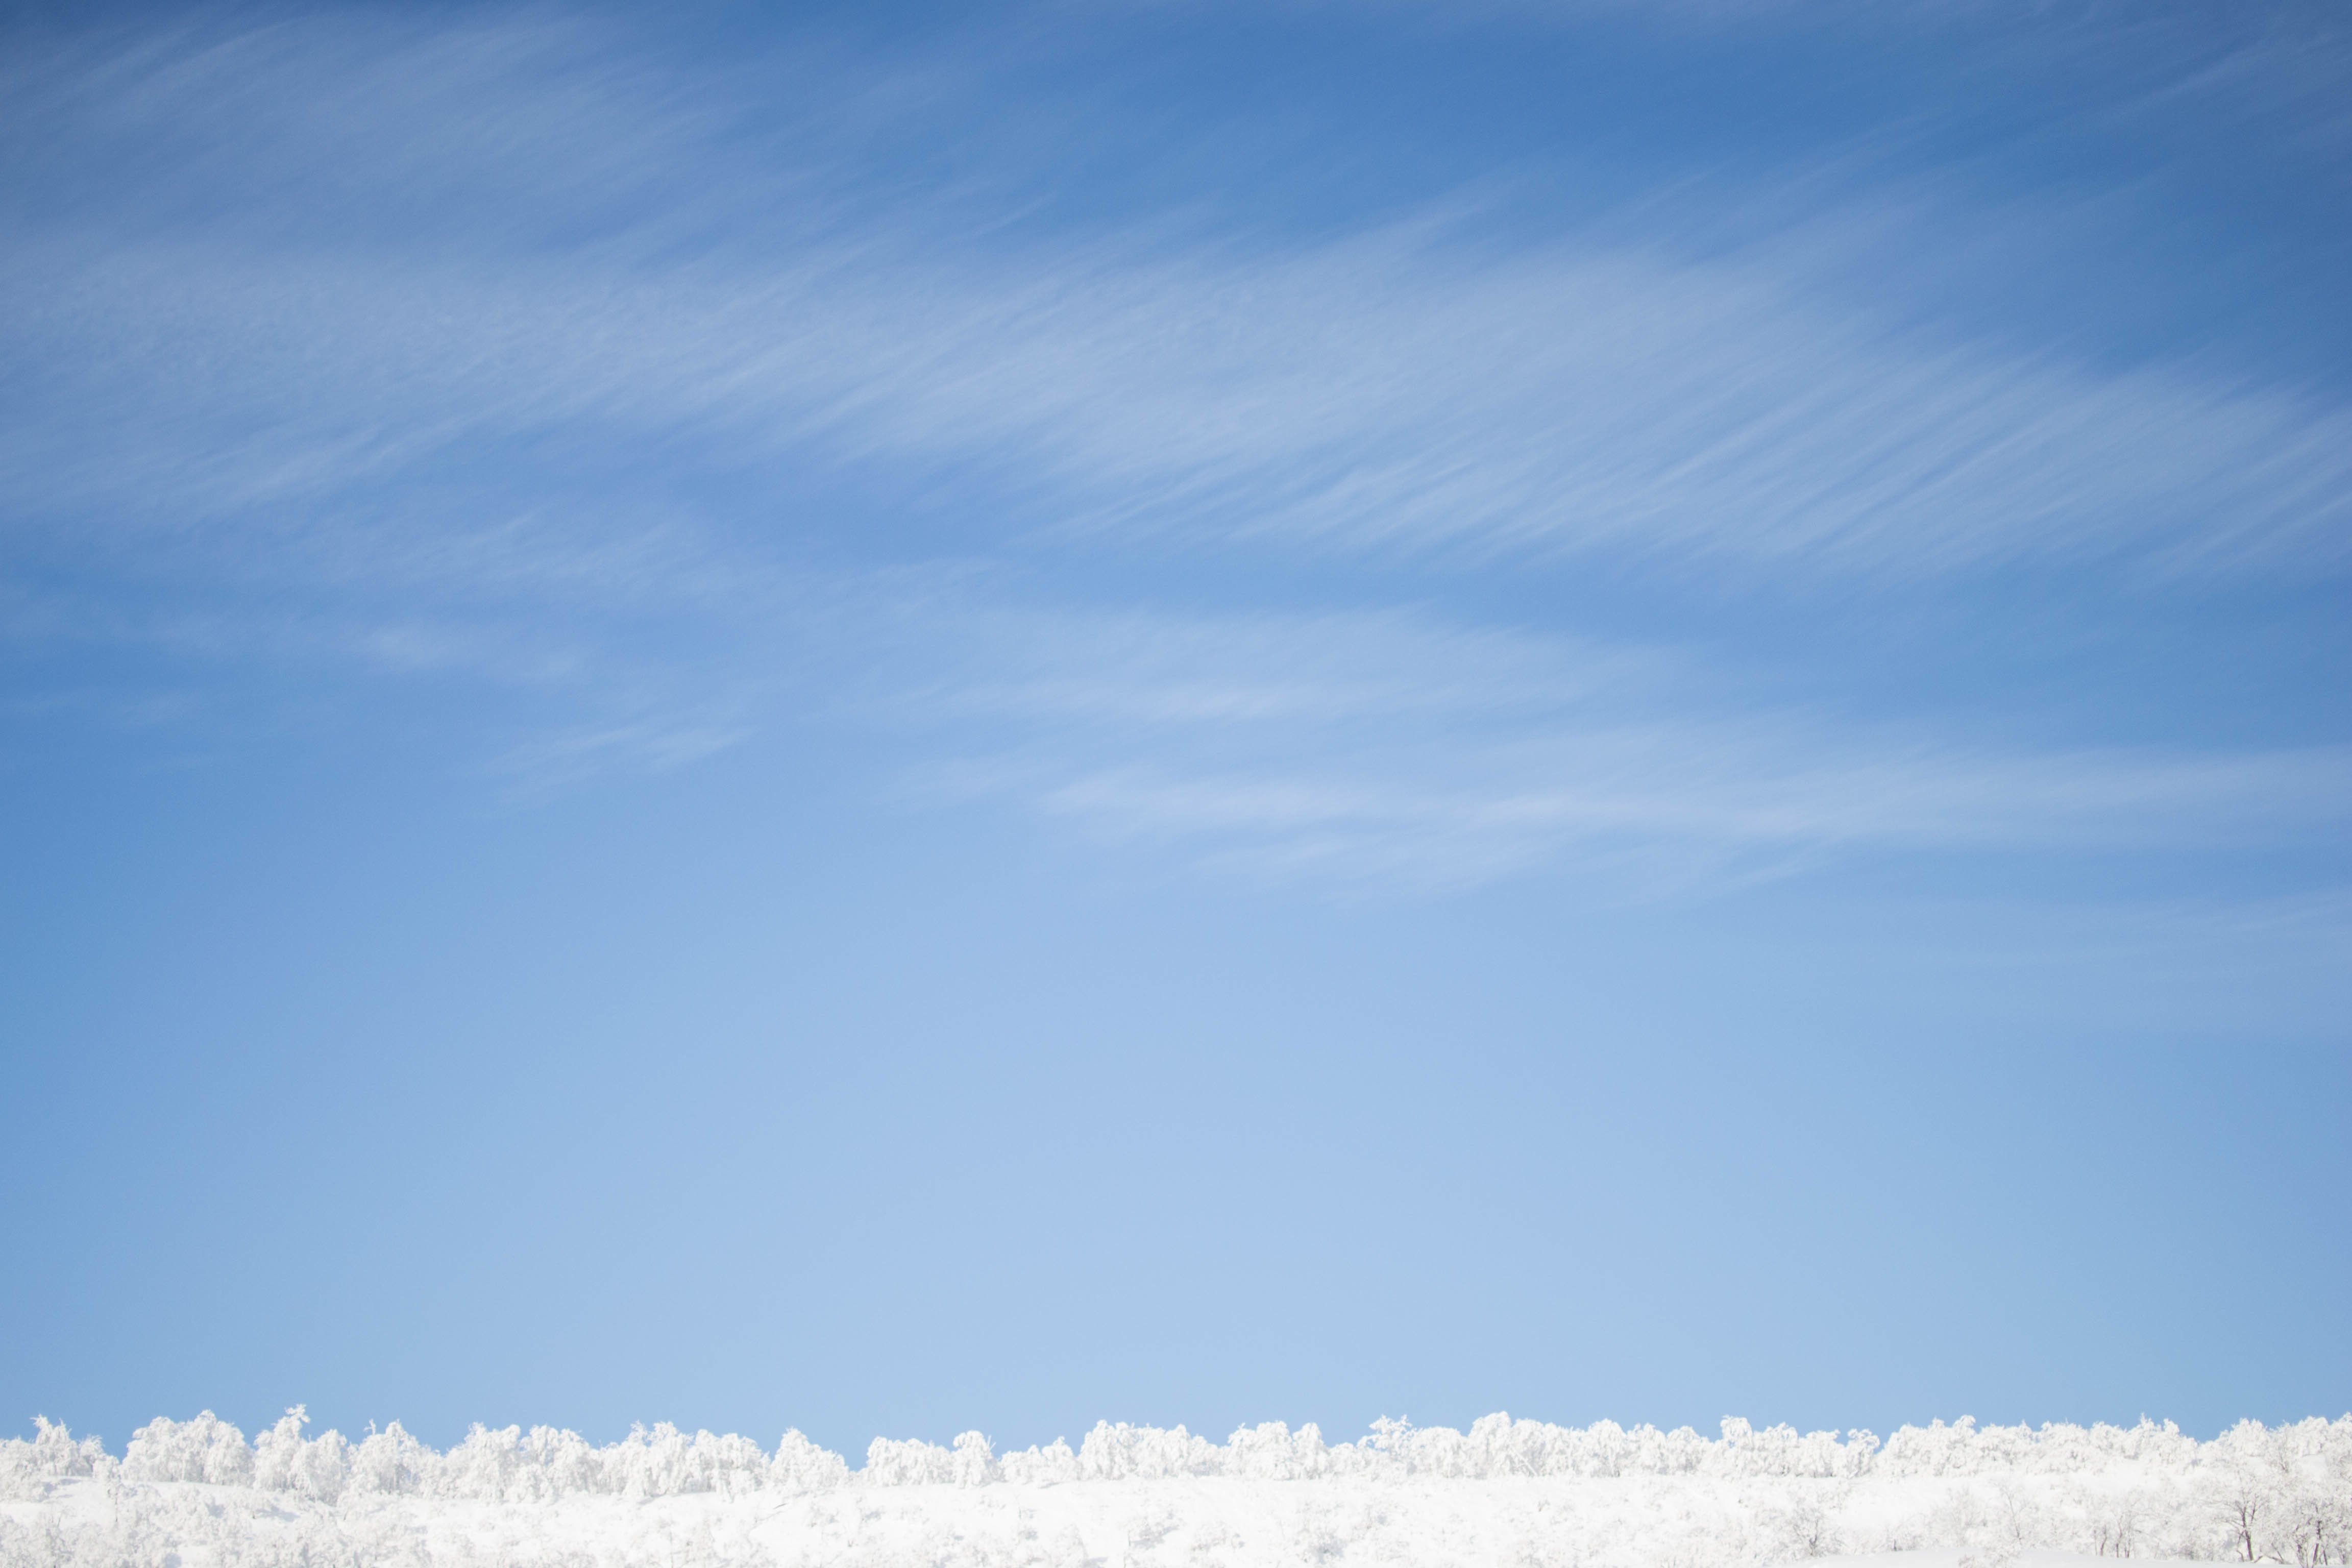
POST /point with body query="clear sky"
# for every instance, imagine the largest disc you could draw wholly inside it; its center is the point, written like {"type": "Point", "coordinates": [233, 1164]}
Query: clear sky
{"type": "Point", "coordinates": [892, 720]}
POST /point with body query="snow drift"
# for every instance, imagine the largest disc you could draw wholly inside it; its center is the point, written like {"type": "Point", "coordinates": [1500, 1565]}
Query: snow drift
{"type": "Point", "coordinates": [187, 1494]}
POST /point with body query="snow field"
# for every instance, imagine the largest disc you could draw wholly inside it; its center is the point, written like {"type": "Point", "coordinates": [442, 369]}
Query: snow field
{"type": "Point", "coordinates": [194, 1494]}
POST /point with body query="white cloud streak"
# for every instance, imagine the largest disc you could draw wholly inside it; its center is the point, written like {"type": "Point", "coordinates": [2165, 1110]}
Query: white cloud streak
{"type": "Point", "coordinates": [1385, 393]}
{"type": "Point", "coordinates": [1403, 389]}
{"type": "Point", "coordinates": [404, 429]}
{"type": "Point", "coordinates": [1396, 748]}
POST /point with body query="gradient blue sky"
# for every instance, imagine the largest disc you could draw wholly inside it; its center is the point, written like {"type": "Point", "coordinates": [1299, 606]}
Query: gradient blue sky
{"type": "Point", "coordinates": [891, 719]}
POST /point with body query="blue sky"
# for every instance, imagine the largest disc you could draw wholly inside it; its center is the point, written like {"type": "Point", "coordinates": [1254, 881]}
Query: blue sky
{"type": "Point", "coordinates": [892, 720]}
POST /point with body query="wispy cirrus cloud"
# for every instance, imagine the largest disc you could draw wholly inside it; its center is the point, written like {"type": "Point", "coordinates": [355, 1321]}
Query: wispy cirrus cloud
{"type": "Point", "coordinates": [520, 352]}
{"type": "Point", "coordinates": [1672, 808]}
{"type": "Point", "coordinates": [1390, 392]}
{"type": "Point", "coordinates": [1408, 387]}
{"type": "Point", "coordinates": [1398, 747]}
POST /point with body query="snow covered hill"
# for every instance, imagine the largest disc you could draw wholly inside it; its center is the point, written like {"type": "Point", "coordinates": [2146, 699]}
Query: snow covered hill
{"type": "Point", "coordinates": [1522, 1493]}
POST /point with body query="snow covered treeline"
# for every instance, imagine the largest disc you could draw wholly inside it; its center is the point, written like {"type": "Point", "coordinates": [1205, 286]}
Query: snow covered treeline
{"type": "Point", "coordinates": [512, 1465]}
{"type": "Point", "coordinates": [508, 1466]}
{"type": "Point", "coordinates": [544, 1463]}
{"type": "Point", "coordinates": [185, 1494]}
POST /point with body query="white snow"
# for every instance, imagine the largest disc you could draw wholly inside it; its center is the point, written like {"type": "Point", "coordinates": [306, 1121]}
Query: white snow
{"type": "Point", "coordinates": [1525, 1494]}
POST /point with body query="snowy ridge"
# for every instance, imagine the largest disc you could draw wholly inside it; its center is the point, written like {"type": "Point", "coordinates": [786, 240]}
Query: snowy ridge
{"type": "Point", "coordinates": [185, 1494]}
